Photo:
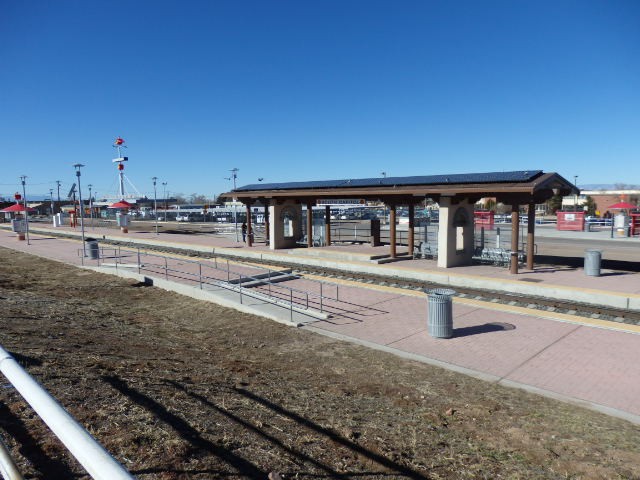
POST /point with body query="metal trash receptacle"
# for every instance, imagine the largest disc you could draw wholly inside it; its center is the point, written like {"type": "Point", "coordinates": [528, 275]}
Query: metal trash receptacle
{"type": "Point", "coordinates": [592, 258]}
{"type": "Point", "coordinates": [440, 320]}
{"type": "Point", "coordinates": [94, 249]}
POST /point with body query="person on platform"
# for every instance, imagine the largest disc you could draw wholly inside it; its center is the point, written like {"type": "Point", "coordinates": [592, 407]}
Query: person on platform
{"type": "Point", "coordinates": [244, 232]}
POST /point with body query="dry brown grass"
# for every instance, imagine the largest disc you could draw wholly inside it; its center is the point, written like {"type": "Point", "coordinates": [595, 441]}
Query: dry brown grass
{"type": "Point", "coordinates": [177, 388]}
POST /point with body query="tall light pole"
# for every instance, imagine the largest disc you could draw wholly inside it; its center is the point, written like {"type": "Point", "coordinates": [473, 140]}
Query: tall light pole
{"type": "Point", "coordinates": [58, 183]}
{"type": "Point", "coordinates": [26, 212]}
{"type": "Point", "coordinates": [164, 195]}
{"type": "Point", "coordinates": [155, 203]}
{"type": "Point", "coordinates": [234, 174]}
{"type": "Point", "coordinates": [575, 198]}
{"type": "Point", "coordinates": [52, 207]}
{"type": "Point", "coordinates": [384, 175]}
{"type": "Point", "coordinates": [78, 166]}
{"type": "Point", "coordinates": [90, 205]}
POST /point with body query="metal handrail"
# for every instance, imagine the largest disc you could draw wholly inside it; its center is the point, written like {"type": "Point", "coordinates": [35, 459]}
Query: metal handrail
{"type": "Point", "coordinates": [206, 280]}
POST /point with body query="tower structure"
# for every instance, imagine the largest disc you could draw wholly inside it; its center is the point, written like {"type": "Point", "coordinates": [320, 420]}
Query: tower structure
{"type": "Point", "coordinates": [119, 144]}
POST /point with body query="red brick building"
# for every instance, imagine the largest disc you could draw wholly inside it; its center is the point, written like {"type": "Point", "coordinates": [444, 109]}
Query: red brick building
{"type": "Point", "coordinates": [605, 198]}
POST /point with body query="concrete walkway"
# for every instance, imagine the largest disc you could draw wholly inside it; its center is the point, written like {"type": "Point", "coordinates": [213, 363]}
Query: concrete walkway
{"type": "Point", "coordinates": [591, 363]}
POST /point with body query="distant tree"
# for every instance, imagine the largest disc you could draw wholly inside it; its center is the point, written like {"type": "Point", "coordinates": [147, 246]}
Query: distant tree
{"type": "Point", "coordinates": [198, 199]}
{"type": "Point", "coordinates": [590, 203]}
{"type": "Point", "coordinates": [490, 204]}
{"type": "Point", "coordinates": [502, 208]}
{"type": "Point", "coordinates": [179, 198]}
{"type": "Point", "coordinates": [554, 204]}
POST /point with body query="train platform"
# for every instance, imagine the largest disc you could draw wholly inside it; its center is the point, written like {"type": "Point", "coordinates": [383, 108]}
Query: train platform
{"type": "Point", "coordinates": [614, 289]}
{"type": "Point", "coordinates": [587, 362]}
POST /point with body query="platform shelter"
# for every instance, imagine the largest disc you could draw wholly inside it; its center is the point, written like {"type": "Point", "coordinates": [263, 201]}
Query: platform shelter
{"type": "Point", "coordinates": [456, 195]}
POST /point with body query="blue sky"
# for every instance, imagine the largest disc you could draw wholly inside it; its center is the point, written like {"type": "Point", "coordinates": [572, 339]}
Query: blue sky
{"type": "Point", "coordinates": [311, 90]}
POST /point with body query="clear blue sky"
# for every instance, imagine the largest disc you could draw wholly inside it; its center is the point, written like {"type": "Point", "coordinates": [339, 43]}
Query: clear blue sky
{"type": "Point", "coordinates": [308, 90]}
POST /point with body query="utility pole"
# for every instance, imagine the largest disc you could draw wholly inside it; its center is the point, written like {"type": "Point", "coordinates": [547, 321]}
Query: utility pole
{"type": "Point", "coordinates": [164, 186]}
{"type": "Point", "coordinates": [26, 212]}
{"type": "Point", "coordinates": [78, 166]}
{"type": "Point", "coordinates": [234, 175]}
{"type": "Point", "coordinates": [58, 182]}
{"type": "Point", "coordinates": [90, 205]}
{"type": "Point", "coordinates": [155, 203]}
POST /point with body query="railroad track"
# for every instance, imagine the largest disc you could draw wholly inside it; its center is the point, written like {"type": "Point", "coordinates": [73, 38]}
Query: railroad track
{"type": "Point", "coordinates": [592, 311]}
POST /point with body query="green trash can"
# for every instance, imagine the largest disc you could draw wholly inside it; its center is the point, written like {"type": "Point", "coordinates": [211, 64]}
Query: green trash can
{"type": "Point", "coordinates": [440, 320]}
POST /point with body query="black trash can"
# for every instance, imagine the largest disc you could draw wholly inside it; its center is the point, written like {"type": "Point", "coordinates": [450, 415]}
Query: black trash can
{"type": "Point", "coordinates": [592, 259]}
{"type": "Point", "coordinates": [440, 321]}
{"type": "Point", "coordinates": [93, 248]}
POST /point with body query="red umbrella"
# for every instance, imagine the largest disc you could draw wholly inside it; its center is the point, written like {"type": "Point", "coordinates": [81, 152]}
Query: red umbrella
{"type": "Point", "coordinates": [122, 204]}
{"type": "Point", "coordinates": [17, 207]}
{"type": "Point", "coordinates": [622, 206]}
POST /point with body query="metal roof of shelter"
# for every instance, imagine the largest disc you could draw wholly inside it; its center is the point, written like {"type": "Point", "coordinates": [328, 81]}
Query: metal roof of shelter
{"type": "Point", "coordinates": [522, 186]}
{"type": "Point", "coordinates": [459, 178]}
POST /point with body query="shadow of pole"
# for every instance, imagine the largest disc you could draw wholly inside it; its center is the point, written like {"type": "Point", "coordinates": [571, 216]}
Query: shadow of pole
{"type": "Point", "coordinates": [379, 459]}
{"type": "Point", "coordinates": [30, 448]}
{"type": "Point", "coordinates": [259, 432]}
{"type": "Point", "coordinates": [185, 430]}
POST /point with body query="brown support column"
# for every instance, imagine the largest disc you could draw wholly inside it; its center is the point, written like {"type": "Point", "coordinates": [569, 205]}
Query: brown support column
{"type": "Point", "coordinates": [249, 231]}
{"type": "Point", "coordinates": [327, 225]}
{"type": "Point", "coordinates": [392, 230]}
{"type": "Point", "coordinates": [531, 228]}
{"type": "Point", "coordinates": [266, 223]}
{"type": "Point", "coordinates": [515, 230]}
{"type": "Point", "coordinates": [411, 229]}
{"type": "Point", "coordinates": [309, 224]}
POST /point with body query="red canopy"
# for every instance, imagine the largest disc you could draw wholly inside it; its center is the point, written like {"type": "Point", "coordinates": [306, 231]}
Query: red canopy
{"type": "Point", "coordinates": [622, 206]}
{"type": "Point", "coordinates": [17, 207]}
{"type": "Point", "coordinates": [122, 204]}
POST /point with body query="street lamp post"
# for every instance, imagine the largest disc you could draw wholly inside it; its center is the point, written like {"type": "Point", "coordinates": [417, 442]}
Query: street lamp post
{"type": "Point", "coordinates": [78, 166]}
{"type": "Point", "coordinates": [575, 197]}
{"type": "Point", "coordinates": [58, 183]}
{"type": "Point", "coordinates": [234, 175]}
{"type": "Point", "coordinates": [164, 195]}
{"type": "Point", "coordinates": [26, 212]}
{"type": "Point", "coordinates": [155, 203]}
{"type": "Point", "coordinates": [51, 197]}
{"type": "Point", "coordinates": [90, 205]}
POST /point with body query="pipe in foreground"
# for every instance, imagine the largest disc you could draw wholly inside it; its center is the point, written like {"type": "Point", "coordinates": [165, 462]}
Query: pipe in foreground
{"type": "Point", "coordinates": [8, 468]}
{"type": "Point", "coordinates": [91, 455]}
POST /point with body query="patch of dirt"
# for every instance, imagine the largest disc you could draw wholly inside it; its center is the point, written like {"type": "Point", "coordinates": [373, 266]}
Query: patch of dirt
{"type": "Point", "coordinates": [175, 388]}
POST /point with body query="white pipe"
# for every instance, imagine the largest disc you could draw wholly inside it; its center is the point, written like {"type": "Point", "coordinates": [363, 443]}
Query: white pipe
{"type": "Point", "coordinates": [8, 468]}
{"type": "Point", "coordinates": [91, 455]}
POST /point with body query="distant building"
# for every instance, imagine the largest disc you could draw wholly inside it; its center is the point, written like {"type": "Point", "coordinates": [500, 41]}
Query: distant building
{"type": "Point", "coordinates": [602, 198]}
